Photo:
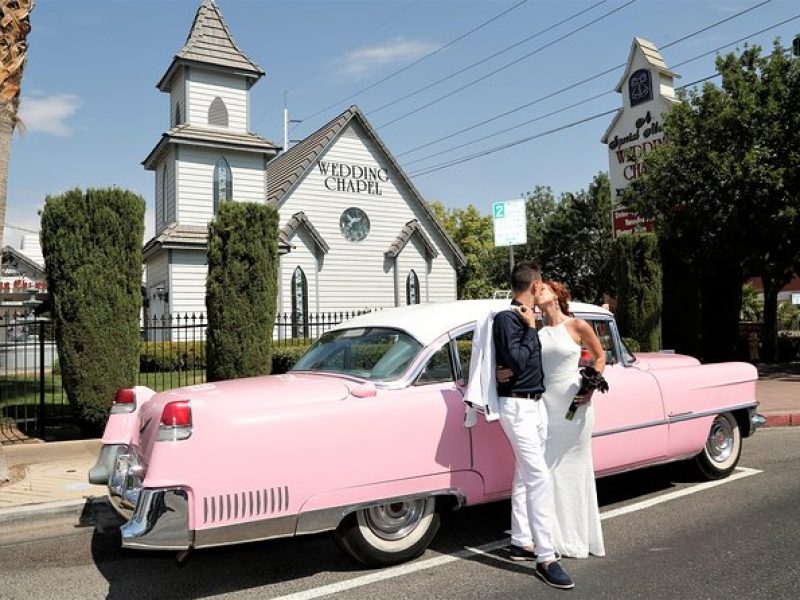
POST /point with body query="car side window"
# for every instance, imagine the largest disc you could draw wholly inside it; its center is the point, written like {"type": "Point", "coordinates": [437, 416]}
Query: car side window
{"type": "Point", "coordinates": [603, 331]}
{"type": "Point", "coordinates": [463, 344]}
{"type": "Point", "coordinates": [438, 369]}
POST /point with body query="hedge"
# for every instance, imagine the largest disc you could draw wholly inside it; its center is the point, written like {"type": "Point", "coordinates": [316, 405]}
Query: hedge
{"type": "Point", "coordinates": [158, 357]}
{"type": "Point", "coordinates": [92, 248]}
{"type": "Point", "coordinates": [241, 290]}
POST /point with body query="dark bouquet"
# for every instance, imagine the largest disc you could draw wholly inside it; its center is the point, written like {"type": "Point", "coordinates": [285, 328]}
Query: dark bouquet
{"type": "Point", "coordinates": [591, 379]}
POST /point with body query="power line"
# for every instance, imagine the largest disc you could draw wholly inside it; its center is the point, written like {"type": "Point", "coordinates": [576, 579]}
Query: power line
{"type": "Point", "coordinates": [372, 32]}
{"type": "Point", "coordinates": [584, 101]}
{"type": "Point", "coordinates": [529, 138]}
{"type": "Point", "coordinates": [483, 60]}
{"type": "Point", "coordinates": [506, 66]}
{"type": "Point", "coordinates": [419, 60]}
{"type": "Point", "coordinates": [505, 146]}
{"type": "Point", "coordinates": [574, 85]}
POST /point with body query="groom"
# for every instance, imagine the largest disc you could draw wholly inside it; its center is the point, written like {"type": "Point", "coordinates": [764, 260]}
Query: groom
{"type": "Point", "coordinates": [524, 420]}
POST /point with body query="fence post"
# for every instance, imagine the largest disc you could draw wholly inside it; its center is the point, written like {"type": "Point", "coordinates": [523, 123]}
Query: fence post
{"type": "Point", "coordinates": [41, 381]}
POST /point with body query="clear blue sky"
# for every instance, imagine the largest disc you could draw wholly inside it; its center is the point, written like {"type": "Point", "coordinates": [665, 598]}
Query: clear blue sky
{"type": "Point", "coordinates": [93, 112]}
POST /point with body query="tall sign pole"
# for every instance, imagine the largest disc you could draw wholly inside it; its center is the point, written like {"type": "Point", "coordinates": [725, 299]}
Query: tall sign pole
{"type": "Point", "coordinates": [510, 225]}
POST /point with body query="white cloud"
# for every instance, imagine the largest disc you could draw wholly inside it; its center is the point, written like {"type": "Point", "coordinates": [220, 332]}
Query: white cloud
{"type": "Point", "coordinates": [363, 61]}
{"type": "Point", "coordinates": [49, 114]}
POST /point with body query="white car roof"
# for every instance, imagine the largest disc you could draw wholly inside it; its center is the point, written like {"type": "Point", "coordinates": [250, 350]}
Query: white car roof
{"type": "Point", "coordinates": [426, 322]}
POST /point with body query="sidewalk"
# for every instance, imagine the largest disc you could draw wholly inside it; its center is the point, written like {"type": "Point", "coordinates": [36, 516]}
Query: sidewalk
{"type": "Point", "coordinates": [52, 477]}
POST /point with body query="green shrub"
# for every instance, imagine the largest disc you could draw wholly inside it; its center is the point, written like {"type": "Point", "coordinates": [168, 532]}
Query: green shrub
{"type": "Point", "coordinates": [92, 247]}
{"type": "Point", "coordinates": [156, 357]}
{"type": "Point", "coordinates": [788, 349]}
{"type": "Point", "coordinates": [285, 357]}
{"type": "Point", "coordinates": [241, 290]}
{"type": "Point", "coordinates": [637, 270]}
{"type": "Point", "coordinates": [632, 344]}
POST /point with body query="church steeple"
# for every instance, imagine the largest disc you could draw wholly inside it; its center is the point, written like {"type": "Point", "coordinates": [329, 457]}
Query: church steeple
{"type": "Point", "coordinates": [210, 44]}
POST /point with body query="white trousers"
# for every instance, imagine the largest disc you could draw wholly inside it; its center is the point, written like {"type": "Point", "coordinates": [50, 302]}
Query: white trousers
{"type": "Point", "coordinates": [524, 422]}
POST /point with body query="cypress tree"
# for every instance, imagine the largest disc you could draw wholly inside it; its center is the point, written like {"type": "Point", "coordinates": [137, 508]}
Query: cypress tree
{"type": "Point", "coordinates": [92, 247]}
{"type": "Point", "coordinates": [241, 290]}
{"type": "Point", "coordinates": [638, 276]}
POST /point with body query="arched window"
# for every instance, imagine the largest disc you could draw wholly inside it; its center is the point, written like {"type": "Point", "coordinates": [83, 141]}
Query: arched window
{"type": "Point", "coordinates": [223, 183]}
{"type": "Point", "coordinates": [218, 113]}
{"type": "Point", "coordinates": [178, 118]}
{"type": "Point", "coordinates": [299, 304]}
{"type": "Point", "coordinates": [412, 288]}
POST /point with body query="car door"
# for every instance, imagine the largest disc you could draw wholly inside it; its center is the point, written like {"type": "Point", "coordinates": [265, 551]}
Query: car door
{"type": "Point", "coordinates": [492, 455]}
{"type": "Point", "coordinates": [630, 425]}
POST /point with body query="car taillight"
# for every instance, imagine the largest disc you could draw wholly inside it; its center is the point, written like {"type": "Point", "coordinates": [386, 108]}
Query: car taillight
{"type": "Point", "coordinates": [586, 358]}
{"type": "Point", "coordinates": [124, 401]}
{"type": "Point", "coordinates": [176, 421]}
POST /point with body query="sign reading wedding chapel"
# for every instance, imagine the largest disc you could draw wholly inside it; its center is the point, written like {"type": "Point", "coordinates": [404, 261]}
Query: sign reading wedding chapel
{"type": "Point", "coordinates": [355, 232]}
{"type": "Point", "coordinates": [647, 89]}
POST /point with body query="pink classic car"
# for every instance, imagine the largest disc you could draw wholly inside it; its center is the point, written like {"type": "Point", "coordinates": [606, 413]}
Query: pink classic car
{"type": "Point", "coordinates": [366, 437]}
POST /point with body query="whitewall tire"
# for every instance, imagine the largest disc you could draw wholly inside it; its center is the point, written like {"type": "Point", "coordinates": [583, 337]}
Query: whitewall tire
{"type": "Point", "coordinates": [389, 534]}
{"type": "Point", "coordinates": [723, 448]}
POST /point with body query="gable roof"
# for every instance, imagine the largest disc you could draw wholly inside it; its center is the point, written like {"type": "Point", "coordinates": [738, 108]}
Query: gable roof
{"type": "Point", "coordinates": [651, 55]}
{"type": "Point", "coordinates": [12, 255]}
{"type": "Point", "coordinates": [285, 172]}
{"type": "Point", "coordinates": [210, 43]}
{"type": "Point", "coordinates": [297, 221]}
{"type": "Point", "coordinates": [411, 228]}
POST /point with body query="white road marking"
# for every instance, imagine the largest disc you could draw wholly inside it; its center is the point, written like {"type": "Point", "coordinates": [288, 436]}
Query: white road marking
{"type": "Point", "coordinates": [740, 473]}
{"type": "Point", "coordinates": [486, 549]}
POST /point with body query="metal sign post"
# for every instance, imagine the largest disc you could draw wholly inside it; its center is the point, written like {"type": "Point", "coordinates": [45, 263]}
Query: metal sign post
{"type": "Point", "coordinates": [510, 225]}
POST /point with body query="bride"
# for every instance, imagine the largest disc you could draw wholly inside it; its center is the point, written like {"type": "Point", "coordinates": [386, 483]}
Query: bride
{"type": "Point", "coordinates": [577, 532]}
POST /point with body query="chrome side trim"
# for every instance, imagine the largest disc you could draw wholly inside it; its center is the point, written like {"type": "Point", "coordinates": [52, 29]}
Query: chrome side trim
{"type": "Point", "coordinates": [676, 418]}
{"type": "Point", "coordinates": [326, 519]}
{"type": "Point", "coordinates": [707, 413]}
{"type": "Point", "coordinates": [160, 521]}
{"type": "Point", "coordinates": [630, 428]}
{"type": "Point", "coordinates": [253, 531]}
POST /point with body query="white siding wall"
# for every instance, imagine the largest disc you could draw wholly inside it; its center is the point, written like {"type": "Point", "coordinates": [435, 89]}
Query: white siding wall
{"type": "Point", "coordinates": [177, 96]}
{"type": "Point", "coordinates": [357, 275]}
{"type": "Point", "coordinates": [196, 179]}
{"type": "Point", "coordinates": [188, 271]}
{"type": "Point", "coordinates": [156, 274]}
{"type": "Point", "coordinates": [204, 86]}
{"type": "Point", "coordinates": [301, 256]}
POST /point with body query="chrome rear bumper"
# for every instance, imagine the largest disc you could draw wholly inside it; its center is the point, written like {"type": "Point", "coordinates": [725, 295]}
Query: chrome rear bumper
{"type": "Point", "coordinates": [159, 522]}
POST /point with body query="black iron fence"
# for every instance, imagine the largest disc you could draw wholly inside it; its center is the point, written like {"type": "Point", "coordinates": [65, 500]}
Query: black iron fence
{"type": "Point", "coordinates": [172, 354]}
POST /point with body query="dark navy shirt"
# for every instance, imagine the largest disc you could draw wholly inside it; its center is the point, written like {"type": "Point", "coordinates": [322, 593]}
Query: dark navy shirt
{"type": "Point", "coordinates": [517, 347]}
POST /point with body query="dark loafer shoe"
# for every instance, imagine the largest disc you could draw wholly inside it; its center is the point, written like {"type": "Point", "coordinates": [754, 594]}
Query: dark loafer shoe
{"type": "Point", "coordinates": [519, 553]}
{"type": "Point", "coordinates": [553, 575]}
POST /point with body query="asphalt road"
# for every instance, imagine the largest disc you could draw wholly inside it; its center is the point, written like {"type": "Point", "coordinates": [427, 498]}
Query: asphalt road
{"type": "Point", "coordinates": [667, 535]}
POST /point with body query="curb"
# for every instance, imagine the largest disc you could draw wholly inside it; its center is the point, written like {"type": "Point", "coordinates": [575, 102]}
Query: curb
{"type": "Point", "coordinates": [782, 420]}
{"type": "Point", "coordinates": [34, 512]}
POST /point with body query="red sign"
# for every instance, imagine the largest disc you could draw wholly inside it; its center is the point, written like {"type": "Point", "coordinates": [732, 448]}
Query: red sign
{"type": "Point", "coordinates": [627, 221]}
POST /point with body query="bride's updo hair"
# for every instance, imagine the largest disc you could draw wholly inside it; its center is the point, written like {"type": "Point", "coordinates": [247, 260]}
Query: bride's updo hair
{"type": "Point", "coordinates": [562, 295]}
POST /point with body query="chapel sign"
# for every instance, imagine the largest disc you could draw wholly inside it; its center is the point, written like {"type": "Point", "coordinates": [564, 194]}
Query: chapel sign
{"type": "Point", "coordinates": [356, 179]}
{"type": "Point", "coordinates": [637, 128]}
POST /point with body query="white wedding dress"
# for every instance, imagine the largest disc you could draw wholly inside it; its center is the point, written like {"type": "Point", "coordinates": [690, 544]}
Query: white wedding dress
{"type": "Point", "coordinates": [577, 532]}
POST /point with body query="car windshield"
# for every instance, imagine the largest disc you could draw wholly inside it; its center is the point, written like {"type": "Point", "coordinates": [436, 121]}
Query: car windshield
{"type": "Point", "coordinates": [374, 353]}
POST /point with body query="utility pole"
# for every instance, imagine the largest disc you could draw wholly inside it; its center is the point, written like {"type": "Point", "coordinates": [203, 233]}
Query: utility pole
{"type": "Point", "coordinates": [286, 122]}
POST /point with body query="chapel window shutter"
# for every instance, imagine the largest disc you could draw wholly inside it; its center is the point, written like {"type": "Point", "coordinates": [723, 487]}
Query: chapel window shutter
{"type": "Point", "coordinates": [218, 113]}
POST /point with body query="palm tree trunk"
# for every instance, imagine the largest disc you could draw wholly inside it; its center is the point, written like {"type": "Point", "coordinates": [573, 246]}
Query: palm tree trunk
{"type": "Point", "coordinates": [14, 28]}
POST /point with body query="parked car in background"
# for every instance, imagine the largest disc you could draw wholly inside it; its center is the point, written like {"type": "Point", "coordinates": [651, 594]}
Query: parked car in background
{"type": "Point", "coordinates": [365, 437]}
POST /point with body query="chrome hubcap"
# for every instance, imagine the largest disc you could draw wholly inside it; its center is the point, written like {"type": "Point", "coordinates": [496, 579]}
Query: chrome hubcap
{"type": "Point", "coordinates": [720, 440]}
{"type": "Point", "coordinates": [396, 520]}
